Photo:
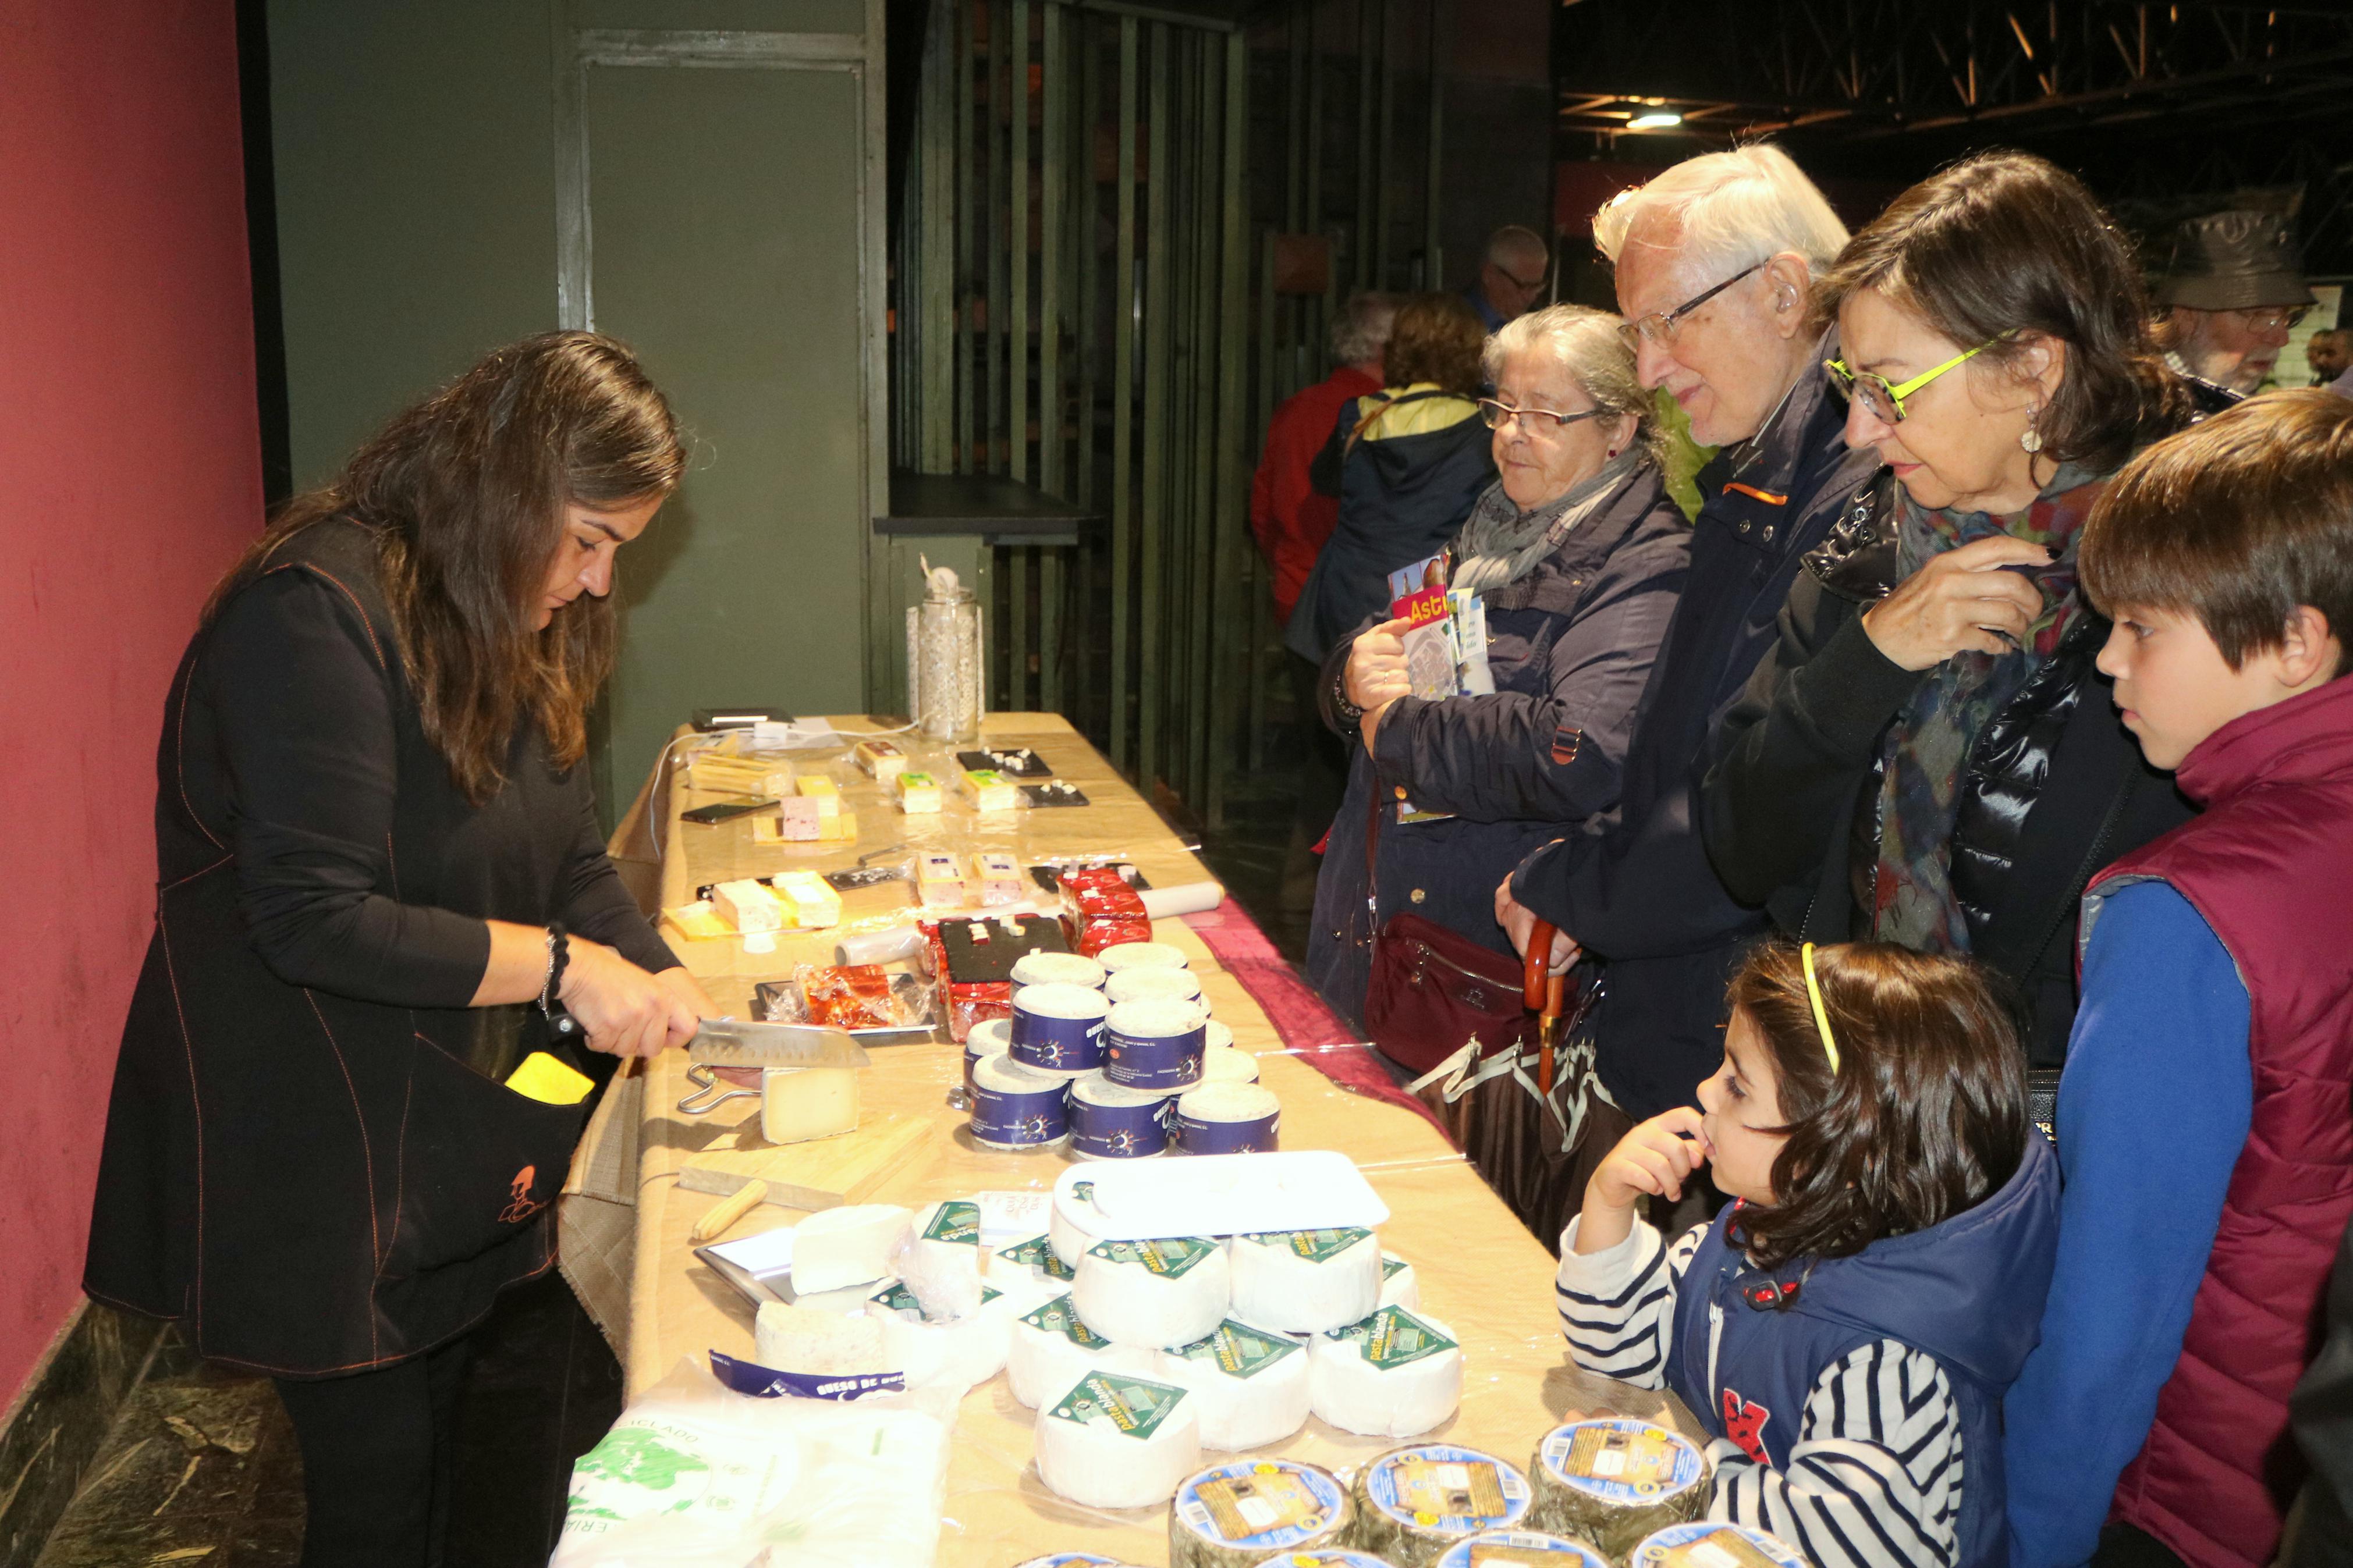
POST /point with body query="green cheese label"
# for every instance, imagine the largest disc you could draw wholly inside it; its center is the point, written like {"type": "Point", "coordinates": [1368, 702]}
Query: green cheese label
{"type": "Point", "coordinates": [1130, 1404]}
{"type": "Point", "coordinates": [1394, 1337]}
{"type": "Point", "coordinates": [1038, 1253]}
{"type": "Point", "coordinates": [899, 1298]}
{"type": "Point", "coordinates": [1084, 1191]}
{"type": "Point", "coordinates": [916, 781]}
{"type": "Point", "coordinates": [1238, 1350]}
{"type": "Point", "coordinates": [954, 1222]}
{"type": "Point", "coordinates": [1315, 1245]}
{"type": "Point", "coordinates": [1391, 1267]}
{"type": "Point", "coordinates": [1170, 1258]}
{"type": "Point", "coordinates": [1060, 1317]}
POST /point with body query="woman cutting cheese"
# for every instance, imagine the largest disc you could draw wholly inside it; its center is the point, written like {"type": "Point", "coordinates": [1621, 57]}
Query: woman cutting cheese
{"type": "Point", "coordinates": [379, 862]}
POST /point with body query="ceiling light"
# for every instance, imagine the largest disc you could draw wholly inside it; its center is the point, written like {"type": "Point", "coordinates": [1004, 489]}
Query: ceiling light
{"type": "Point", "coordinates": [1655, 120]}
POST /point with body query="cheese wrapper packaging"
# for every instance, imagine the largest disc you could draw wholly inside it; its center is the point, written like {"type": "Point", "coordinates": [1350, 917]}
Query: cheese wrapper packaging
{"type": "Point", "coordinates": [1256, 1511]}
{"type": "Point", "coordinates": [1616, 1481]}
{"type": "Point", "coordinates": [919, 795]}
{"type": "Point", "coordinates": [1413, 1504]}
{"type": "Point", "coordinates": [1053, 1347]}
{"type": "Point", "coordinates": [824, 791]}
{"type": "Point", "coordinates": [1069, 1234]}
{"type": "Point", "coordinates": [1253, 1385]}
{"type": "Point", "coordinates": [748, 905]}
{"type": "Point", "coordinates": [1112, 1440]}
{"type": "Point", "coordinates": [999, 876]}
{"type": "Point", "coordinates": [989, 790]}
{"type": "Point", "coordinates": [1520, 1549]}
{"type": "Point", "coordinates": [1401, 1287]}
{"type": "Point", "coordinates": [1705, 1543]}
{"type": "Point", "coordinates": [879, 760]}
{"type": "Point", "coordinates": [941, 1259]}
{"type": "Point", "coordinates": [1395, 1374]}
{"type": "Point", "coordinates": [1164, 1293]}
{"type": "Point", "coordinates": [1306, 1281]}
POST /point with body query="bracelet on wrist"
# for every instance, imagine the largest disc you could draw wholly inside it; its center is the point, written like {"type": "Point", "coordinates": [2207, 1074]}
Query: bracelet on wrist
{"type": "Point", "coordinates": [559, 954]}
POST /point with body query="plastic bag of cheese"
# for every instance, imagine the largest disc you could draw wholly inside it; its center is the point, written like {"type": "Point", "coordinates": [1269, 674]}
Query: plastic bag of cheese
{"type": "Point", "coordinates": [696, 1476]}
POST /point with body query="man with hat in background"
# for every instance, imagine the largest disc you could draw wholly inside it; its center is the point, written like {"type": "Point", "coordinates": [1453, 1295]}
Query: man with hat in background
{"type": "Point", "coordinates": [2232, 285]}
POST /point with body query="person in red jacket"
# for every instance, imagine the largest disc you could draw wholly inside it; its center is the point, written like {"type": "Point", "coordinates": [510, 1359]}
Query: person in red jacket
{"type": "Point", "coordinates": [2205, 1130]}
{"type": "Point", "coordinates": [1291, 520]}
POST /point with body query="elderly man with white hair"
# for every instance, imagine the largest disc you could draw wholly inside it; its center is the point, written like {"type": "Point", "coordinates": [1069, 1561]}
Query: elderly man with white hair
{"type": "Point", "coordinates": [1714, 261]}
{"type": "Point", "coordinates": [1511, 279]}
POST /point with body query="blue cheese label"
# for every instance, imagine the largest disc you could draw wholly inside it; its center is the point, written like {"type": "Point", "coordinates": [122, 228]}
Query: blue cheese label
{"type": "Point", "coordinates": [1239, 1351]}
{"type": "Point", "coordinates": [1394, 1337]}
{"type": "Point", "coordinates": [1262, 1505]}
{"type": "Point", "coordinates": [1621, 1461]}
{"type": "Point", "coordinates": [1132, 1405]}
{"type": "Point", "coordinates": [1171, 1258]}
{"type": "Point", "coordinates": [1448, 1489]}
{"type": "Point", "coordinates": [1060, 1317]}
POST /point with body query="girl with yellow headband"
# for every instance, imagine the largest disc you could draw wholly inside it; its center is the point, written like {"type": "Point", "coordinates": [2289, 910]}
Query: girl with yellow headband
{"type": "Point", "coordinates": [1844, 1330]}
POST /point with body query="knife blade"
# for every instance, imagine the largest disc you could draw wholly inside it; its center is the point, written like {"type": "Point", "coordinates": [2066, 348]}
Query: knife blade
{"type": "Point", "coordinates": [734, 1043]}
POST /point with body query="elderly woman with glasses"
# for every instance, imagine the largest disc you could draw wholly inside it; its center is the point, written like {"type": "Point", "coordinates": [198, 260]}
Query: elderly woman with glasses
{"type": "Point", "coordinates": [1572, 560]}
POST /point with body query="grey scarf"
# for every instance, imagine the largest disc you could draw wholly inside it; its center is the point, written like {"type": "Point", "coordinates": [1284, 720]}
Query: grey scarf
{"type": "Point", "coordinates": [1501, 544]}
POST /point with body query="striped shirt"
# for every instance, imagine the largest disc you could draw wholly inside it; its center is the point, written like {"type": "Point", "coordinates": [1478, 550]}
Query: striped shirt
{"type": "Point", "coordinates": [1874, 1478]}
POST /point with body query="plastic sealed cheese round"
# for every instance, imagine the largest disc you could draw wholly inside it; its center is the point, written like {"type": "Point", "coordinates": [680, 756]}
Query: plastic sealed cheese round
{"type": "Point", "coordinates": [1053, 1348]}
{"type": "Point", "coordinates": [1122, 956]}
{"type": "Point", "coordinates": [1232, 1516]}
{"type": "Point", "coordinates": [1056, 969]}
{"type": "Point", "coordinates": [1413, 1504]}
{"type": "Point", "coordinates": [941, 1260]}
{"type": "Point", "coordinates": [1519, 1548]}
{"type": "Point", "coordinates": [1112, 1440]}
{"type": "Point", "coordinates": [1613, 1482]}
{"type": "Point", "coordinates": [1164, 1293]}
{"type": "Point", "coordinates": [1704, 1544]}
{"type": "Point", "coordinates": [1253, 1385]}
{"type": "Point", "coordinates": [1395, 1374]}
{"type": "Point", "coordinates": [1306, 1281]}
{"type": "Point", "coordinates": [960, 1354]}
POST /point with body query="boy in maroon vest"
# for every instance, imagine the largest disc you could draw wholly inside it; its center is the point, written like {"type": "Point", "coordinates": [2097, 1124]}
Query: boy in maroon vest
{"type": "Point", "coordinates": [2206, 1117]}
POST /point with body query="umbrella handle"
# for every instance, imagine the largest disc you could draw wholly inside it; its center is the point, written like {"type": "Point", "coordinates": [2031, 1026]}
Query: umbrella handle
{"type": "Point", "coordinates": [1536, 965]}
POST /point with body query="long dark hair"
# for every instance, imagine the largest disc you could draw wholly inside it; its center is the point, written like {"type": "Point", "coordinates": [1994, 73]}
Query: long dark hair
{"type": "Point", "coordinates": [465, 493]}
{"type": "Point", "coordinates": [2003, 244]}
{"type": "Point", "coordinates": [1926, 1118]}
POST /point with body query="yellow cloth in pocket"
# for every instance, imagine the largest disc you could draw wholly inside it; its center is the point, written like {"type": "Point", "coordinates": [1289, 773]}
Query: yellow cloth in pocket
{"type": "Point", "coordinates": [547, 1079]}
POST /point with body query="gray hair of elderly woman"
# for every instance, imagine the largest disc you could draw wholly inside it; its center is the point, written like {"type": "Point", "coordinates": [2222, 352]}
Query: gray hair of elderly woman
{"type": "Point", "coordinates": [1584, 342]}
{"type": "Point", "coordinates": [1360, 330]}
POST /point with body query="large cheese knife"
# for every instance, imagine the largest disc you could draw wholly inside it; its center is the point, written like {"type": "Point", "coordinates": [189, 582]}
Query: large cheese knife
{"type": "Point", "coordinates": [727, 1043]}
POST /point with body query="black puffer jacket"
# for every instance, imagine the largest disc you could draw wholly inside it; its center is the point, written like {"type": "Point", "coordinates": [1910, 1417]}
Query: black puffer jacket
{"type": "Point", "coordinates": [2056, 787]}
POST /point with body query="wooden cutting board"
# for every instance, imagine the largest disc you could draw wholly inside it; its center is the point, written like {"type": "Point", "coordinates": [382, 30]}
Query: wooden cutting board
{"type": "Point", "coordinates": [822, 1174]}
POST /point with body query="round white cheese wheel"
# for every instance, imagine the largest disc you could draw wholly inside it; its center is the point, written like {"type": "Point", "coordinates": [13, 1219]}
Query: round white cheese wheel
{"type": "Point", "coordinates": [1394, 1374]}
{"type": "Point", "coordinates": [1519, 1548]}
{"type": "Point", "coordinates": [1400, 1285]}
{"type": "Point", "coordinates": [1705, 1543]}
{"type": "Point", "coordinates": [1069, 1230]}
{"type": "Point", "coordinates": [1164, 1293]}
{"type": "Point", "coordinates": [1122, 955]}
{"type": "Point", "coordinates": [1304, 1281]}
{"type": "Point", "coordinates": [941, 1260]}
{"type": "Point", "coordinates": [1412, 1503]}
{"type": "Point", "coordinates": [810, 1341]}
{"type": "Point", "coordinates": [1155, 984]}
{"type": "Point", "coordinates": [1613, 1482]}
{"type": "Point", "coordinates": [1053, 1349]}
{"type": "Point", "coordinates": [1056, 969]}
{"type": "Point", "coordinates": [1114, 1440]}
{"type": "Point", "coordinates": [1029, 1261]}
{"type": "Point", "coordinates": [1223, 1064]}
{"type": "Point", "coordinates": [958, 1356]}
{"type": "Point", "coordinates": [1253, 1385]}
{"type": "Point", "coordinates": [1256, 1511]}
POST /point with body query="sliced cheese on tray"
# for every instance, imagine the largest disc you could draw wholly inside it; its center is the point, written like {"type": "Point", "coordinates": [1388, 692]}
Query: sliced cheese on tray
{"type": "Point", "coordinates": [1253, 1385]}
{"type": "Point", "coordinates": [1306, 1281]}
{"type": "Point", "coordinates": [1113, 1440]}
{"type": "Point", "coordinates": [847, 1245]}
{"type": "Point", "coordinates": [1395, 1374]}
{"type": "Point", "coordinates": [1256, 1511]}
{"type": "Point", "coordinates": [1164, 1293]}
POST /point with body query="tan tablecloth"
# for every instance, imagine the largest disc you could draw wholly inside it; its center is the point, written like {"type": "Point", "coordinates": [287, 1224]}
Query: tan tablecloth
{"type": "Point", "coordinates": [626, 1222]}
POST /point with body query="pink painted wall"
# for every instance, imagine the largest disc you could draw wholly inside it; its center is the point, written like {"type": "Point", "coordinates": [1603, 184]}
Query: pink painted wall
{"type": "Point", "coordinates": [130, 476]}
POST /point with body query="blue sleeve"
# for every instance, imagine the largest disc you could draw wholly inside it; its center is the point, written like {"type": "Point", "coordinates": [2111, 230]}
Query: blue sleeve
{"type": "Point", "coordinates": [2153, 1112]}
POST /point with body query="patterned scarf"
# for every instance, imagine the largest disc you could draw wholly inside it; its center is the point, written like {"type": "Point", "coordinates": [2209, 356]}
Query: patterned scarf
{"type": "Point", "coordinates": [1902, 883]}
{"type": "Point", "coordinates": [1501, 545]}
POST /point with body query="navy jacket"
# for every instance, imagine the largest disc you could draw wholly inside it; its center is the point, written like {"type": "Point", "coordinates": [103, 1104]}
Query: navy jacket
{"type": "Point", "coordinates": [1571, 645]}
{"type": "Point", "coordinates": [1635, 887]}
{"type": "Point", "coordinates": [1967, 1292]}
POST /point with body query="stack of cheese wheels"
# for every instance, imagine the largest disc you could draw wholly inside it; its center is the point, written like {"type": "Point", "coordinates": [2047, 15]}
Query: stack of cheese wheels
{"type": "Point", "coordinates": [1253, 1385]}
{"type": "Point", "coordinates": [1053, 1348]}
{"type": "Point", "coordinates": [1520, 1549]}
{"type": "Point", "coordinates": [1306, 1281]}
{"type": "Point", "coordinates": [1156, 984]}
{"type": "Point", "coordinates": [1057, 969]}
{"type": "Point", "coordinates": [1413, 1504]}
{"type": "Point", "coordinates": [1125, 955]}
{"type": "Point", "coordinates": [989, 1037]}
{"type": "Point", "coordinates": [1224, 1064]}
{"type": "Point", "coordinates": [1059, 1028]}
{"type": "Point", "coordinates": [1113, 1440]}
{"type": "Point", "coordinates": [1704, 1543]}
{"type": "Point", "coordinates": [1111, 1121]}
{"type": "Point", "coordinates": [1227, 1118]}
{"type": "Point", "coordinates": [1393, 1374]}
{"type": "Point", "coordinates": [1613, 1482]}
{"type": "Point", "coordinates": [1164, 1293]}
{"type": "Point", "coordinates": [1255, 1511]}
{"type": "Point", "coordinates": [1013, 1107]}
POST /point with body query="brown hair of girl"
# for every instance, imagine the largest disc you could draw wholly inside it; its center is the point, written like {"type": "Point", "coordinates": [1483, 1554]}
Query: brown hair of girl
{"type": "Point", "coordinates": [1436, 338]}
{"type": "Point", "coordinates": [465, 494]}
{"type": "Point", "coordinates": [1924, 1118]}
{"type": "Point", "coordinates": [2003, 247]}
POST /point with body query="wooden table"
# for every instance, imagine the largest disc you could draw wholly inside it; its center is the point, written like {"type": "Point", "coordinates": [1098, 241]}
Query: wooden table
{"type": "Point", "coordinates": [1481, 1271]}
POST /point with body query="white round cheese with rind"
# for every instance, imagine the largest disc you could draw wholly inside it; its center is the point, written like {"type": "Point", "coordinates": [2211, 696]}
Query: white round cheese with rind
{"type": "Point", "coordinates": [1306, 1281]}
{"type": "Point", "coordinates": [941, 1261]}
{"type": "Point", "coordinates": [1122, 955]}
{"type": "Point", "coordinates": [1164, 1293]}
{"type": "Point", "coordinates": [1253, 1385]}
{"type": "Point", "coordinates": [961, 1355]}
{"type": "Point", "coordinates": [1053, 1347]}
{"type": "Point", "coordinates": [1224, 1064]}
{"type": "Point", "coordinates": [1114, 1440]}
{"type": "Point", "coordinates": [1414, 1502]}
{"type": "Point", "coordinates": [1029, 1261]}
{"type": "Point", "coordinates": [1401, 1287]}
{"type": "Point", "coordinates": [1067, 1231]}
{"type": "Point", "coordinates": [1395, 1374]}
{"type": "Point", "coordinates": [1256, 1511]}
{"type": "Point", "coordinates": [812, 1341]}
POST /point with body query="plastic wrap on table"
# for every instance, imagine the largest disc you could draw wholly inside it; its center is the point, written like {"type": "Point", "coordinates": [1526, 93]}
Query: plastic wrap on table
{"type": "Point", "coordinates": [849, 996]}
